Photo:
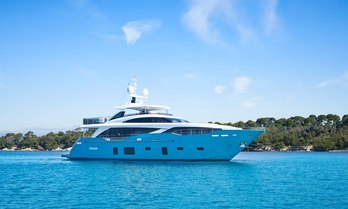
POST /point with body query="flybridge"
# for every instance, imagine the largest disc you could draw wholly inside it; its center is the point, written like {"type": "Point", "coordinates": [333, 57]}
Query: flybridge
{"type": "Point", "coordinates": [142, 107]}
{"type": "Point", "coordinates": [133, 105]}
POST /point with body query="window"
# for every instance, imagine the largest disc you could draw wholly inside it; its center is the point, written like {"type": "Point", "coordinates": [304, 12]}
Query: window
{"type": "Point", "coordinates": [115, 150]}
{"type": "Point", "coordinates": [125, 132]}
{"type": "Point", "coordinates": [177, 120]}
{"type": "Point", "coordinates": [196, 131]}
{"type": "Point", "coordinates": [148, 120]}
{"type": "Point", "coordinates": [164, 151]}
{"type": "Point", "coordinates": [129, 150]}
{"type": "Point", "coordinates": [180, 148]}
{"type": "Point", "coordinates": [190, 130]}
{"type": "Point", "coordinates": [160, 120]}
{"type": "Point", "coordinates": [186, 132]}
{"type": "Point", "coordinates": [147, 148]}
{"type": "Point", "coordinates": [156, 120]}
{"type": "Point", "coordinates": [118, 115]}
{"type": "Point", "coordinates": [206, 131]}
{"type": "Point", "coordinates": [200, 148]}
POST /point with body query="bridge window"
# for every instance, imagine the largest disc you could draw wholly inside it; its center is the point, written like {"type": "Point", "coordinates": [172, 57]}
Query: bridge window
{"type": "Point", "coordinates": [118, 115]}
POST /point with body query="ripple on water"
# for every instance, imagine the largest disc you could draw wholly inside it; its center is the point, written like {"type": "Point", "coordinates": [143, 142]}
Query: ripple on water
{"type": "Point", "coordinates": [251, 180]}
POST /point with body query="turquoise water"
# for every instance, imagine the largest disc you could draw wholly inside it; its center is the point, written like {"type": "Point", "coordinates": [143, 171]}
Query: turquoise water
{"type": "Point", "coordinates": [251, 180]}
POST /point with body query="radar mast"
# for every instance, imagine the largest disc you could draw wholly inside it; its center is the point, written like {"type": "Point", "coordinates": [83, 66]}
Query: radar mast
{"type": "Point", "coordinates": [132, 91]}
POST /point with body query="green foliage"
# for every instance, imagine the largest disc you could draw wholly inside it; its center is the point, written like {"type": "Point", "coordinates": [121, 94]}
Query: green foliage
{"type": "Point", "coordinates": [278, 145]}
{"type": "Point", "coordinates": [49, 141]}
{"type": "Point", "coordinates": [323, 132]}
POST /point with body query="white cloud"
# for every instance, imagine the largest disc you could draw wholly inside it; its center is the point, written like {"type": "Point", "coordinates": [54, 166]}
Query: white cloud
{"type": "Point", "coordinates": [270, 19]}
{"type": "Point", "coordinates": [219, 89]}
{"type": "Point", "coordinates": [241, 84]}
{"type": "Point", "coordinates": [342, 80]}
{"type": "Point", "coordinates": [135, 29]}
{"type": "Point", "coordinates": [211, 20]}
{"type": "Point", "coordinates": [246, 34]}
{"type": "Point", "coordinates": [198, 18]}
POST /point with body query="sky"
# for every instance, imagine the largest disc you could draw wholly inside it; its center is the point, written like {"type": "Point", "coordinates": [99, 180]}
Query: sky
{"type": "Point", "coordinates": [209, 60]}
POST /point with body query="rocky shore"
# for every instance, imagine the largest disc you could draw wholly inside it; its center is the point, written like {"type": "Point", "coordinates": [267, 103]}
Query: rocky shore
{"type": "Point", "coordinates": [58, 149]}
{"type": "Point", "coordinates": [309, 148]}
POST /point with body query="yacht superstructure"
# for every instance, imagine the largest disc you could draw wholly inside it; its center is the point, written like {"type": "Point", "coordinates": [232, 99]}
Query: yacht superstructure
{"type": "Point", "coordinates": [149, 132]}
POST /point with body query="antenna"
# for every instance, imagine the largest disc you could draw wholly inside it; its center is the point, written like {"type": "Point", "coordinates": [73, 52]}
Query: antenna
{"type": "Point", "coordinates": [132, 90]}
{"type": "Point", "coordinates": [132, 87]}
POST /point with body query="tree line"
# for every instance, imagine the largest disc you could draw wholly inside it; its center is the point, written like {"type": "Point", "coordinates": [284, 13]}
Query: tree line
{"type": "Point", "coordinates": [321, 133]}
{"type": "Point", "coordinates": [50, 141]}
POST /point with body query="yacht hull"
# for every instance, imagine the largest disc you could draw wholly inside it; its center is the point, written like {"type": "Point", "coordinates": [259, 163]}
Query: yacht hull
{"type": "Point", "coordinates": [220, 145]}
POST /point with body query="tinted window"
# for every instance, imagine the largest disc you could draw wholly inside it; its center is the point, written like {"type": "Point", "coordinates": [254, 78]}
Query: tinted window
{"type": "Point", "coordinates": [118, 115]}
{"type": "Point", "coordinates": [148, 120]}
{"type": "Point", "coordinates": [206, 131]}
{"type": "Point", "coordinates": [186, 132]}
{"type": "Point", "coordinates": [115, 150]}
{"type": "Point", "coordinates": [177, 120]}
{"type": "Point", "coordinates": [139, 120]}
{"type": "Point", "coordinates": [125, 132]}
{"type": "Point", "coordinates": [160, 120]}
{"type": "Point", "coordinates": [190, 130]}
{"type": "Point", "coordinates": [180, 148]}
{"type": "Point", "coordinates": [196, 131]}
{"type": "Point", "coordinates": [164, 151]}
{"type": "Point", "coordinates": [129, 150]}
{"type": "Point", "coordinates": [200, 148]}
{"type": "Point", "coordinates": [147, 148]}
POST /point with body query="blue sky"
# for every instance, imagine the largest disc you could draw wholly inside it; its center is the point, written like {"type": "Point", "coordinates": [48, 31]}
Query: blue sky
{"type": "Point", "coordinates": [217, 60]}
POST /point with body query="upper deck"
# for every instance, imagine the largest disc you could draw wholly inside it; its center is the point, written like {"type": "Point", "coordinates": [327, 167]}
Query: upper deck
{"type": "Point", "coordinates": [138, 109]}
{"type": "Point", "coordinates": [130, 109]}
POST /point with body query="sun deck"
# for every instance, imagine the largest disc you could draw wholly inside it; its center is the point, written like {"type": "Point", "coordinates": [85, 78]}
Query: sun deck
{"type": "Point", "coordinates": [140, 109]}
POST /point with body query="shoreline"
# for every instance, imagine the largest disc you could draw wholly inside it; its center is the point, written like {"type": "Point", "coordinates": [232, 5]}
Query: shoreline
{"type": "Point", "coordinates": [68, 150]}
{"type": "Point", "coordinates": [35, 150]}
{"type": "Point", "coordinates": [297, 151]}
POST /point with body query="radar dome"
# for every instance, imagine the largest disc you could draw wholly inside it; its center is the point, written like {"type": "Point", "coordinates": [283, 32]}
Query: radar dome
{"type": "Point", "coordinates": [146, 92]}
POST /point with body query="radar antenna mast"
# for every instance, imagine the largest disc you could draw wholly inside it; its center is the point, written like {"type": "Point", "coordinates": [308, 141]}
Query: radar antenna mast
{"type": "Point", "coordinates": [132, 91]}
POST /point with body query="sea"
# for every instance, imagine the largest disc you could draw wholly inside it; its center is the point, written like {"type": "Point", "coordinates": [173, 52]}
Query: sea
{"type": "Point", "coordinates": [250, 180]}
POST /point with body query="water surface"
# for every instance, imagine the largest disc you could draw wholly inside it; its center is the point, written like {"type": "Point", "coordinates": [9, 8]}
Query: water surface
{"type": "Point", "coordinates": [250, 180]}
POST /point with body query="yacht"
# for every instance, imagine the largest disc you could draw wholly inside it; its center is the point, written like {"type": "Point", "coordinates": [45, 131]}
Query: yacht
{"type": "Point", "coordinates": [148, 132]}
